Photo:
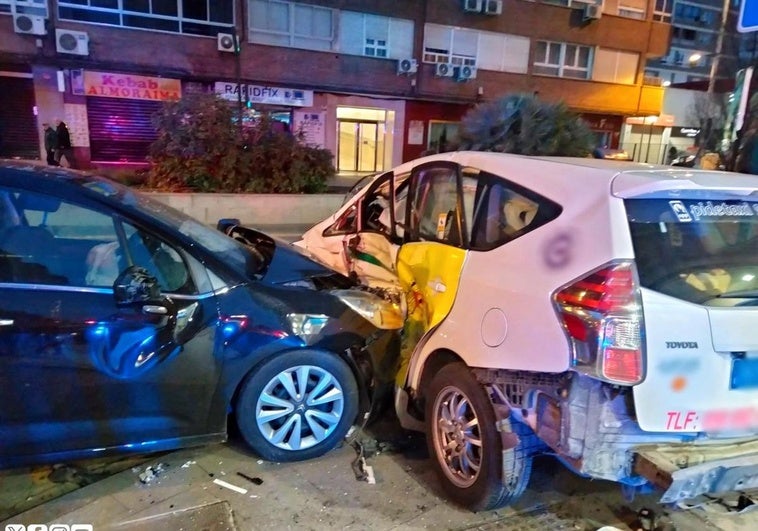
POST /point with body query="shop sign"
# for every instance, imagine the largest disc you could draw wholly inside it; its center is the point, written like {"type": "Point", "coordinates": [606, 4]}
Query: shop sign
{"type": "Point", "coordinates": [265, 95]}
{"type": "Point", "coordinates": [131, 86]}
{"type": "Point", "coordinates": [602, 122]}
{"type": "Point", "coordinates": [663, 120]}
{"type": "Point", "coordinates": [685, 132]}
{"type": "Point", "coordinates": [311, 126]}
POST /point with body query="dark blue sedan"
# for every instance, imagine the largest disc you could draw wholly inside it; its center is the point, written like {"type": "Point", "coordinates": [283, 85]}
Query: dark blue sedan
{"type": "Point", "coordinates": [128, 326]}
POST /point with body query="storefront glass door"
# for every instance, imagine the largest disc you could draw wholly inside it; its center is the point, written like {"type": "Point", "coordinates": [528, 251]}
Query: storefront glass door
{"type": "Point", "coordinates": [361, 140]}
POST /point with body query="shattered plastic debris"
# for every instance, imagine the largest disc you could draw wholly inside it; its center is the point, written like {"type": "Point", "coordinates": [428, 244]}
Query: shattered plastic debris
{"type": "Point", "coordinates": [369, 472]}
{"type": "Point", "coordinates": [152, 472]}
{"type": "Point", "coordinates": [362, 471]}
{"type": "Point", "coordinates": [188, 464]}
{"type": "Point", "coordinates": [235, 488]}
{"type": "Point", "coordinates": [251, 479]}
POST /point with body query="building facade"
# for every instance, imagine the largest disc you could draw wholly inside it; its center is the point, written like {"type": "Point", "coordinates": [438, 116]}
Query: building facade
{"type": "Point", "coordinates": [701, 31]}
{"type": "Point", "coordinates": [376, 82]}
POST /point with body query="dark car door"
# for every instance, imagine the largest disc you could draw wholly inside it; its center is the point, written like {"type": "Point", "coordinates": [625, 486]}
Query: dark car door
{"type": "Point", "coordinates": [80, 371]}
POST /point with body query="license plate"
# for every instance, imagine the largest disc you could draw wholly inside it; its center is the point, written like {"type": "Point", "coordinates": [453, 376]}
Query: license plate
{"type": "Point", "coordinates": [744, 373]}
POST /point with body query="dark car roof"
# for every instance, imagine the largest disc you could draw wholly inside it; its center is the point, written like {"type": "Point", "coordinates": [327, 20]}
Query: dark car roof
{"type": "Point", "coordinates": [85, 187]}
{"type": "Point", "coordinates": [17, 173]}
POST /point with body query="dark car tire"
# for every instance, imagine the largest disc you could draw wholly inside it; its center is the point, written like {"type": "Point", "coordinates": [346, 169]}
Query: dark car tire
{"type": "Point", "coordinates": [267, 413]}
{"type": "Point", "coordinates": [491, 485]}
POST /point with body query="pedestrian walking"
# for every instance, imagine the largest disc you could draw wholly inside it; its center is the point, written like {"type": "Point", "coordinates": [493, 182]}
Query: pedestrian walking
{"type": "Point", "coordinates": [51, 143]}
{"type": "Point", "coordinates": [64, 148]}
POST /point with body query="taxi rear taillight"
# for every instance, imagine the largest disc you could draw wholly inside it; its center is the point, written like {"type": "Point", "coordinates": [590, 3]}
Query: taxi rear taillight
{"type": "Point", "coordinates": [602, 316]}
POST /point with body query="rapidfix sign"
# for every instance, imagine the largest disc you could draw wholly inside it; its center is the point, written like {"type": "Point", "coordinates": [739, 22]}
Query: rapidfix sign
{"type": "Point", "coordinates": [131, 86]}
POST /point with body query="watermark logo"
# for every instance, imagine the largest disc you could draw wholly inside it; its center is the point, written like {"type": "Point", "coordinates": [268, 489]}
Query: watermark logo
{"type": "Point", "coordinates": [51, 527]}
{"type": "Point", "coordinates": [681, 211]}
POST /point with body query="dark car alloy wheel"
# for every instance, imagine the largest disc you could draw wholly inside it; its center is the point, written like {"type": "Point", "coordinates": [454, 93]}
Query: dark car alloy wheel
{"type": "Point", "coordinates": [297, 405]}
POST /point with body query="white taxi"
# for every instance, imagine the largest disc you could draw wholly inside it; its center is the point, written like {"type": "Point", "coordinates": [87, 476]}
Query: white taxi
{"type": "Point", "coordinates": [602, 311]}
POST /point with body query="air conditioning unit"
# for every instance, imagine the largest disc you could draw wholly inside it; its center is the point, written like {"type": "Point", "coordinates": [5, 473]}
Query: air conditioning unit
{"type": "Point", "coordinates": [465, 72]}
{"type": "Point", "coordinates": [493, 7]}
{"type": "Point", "coordinates": [407, 66]}
{"type": "Point", "coordinates": [473, 6]}
{"type": "Point", "coordinates": [226, 42]}
{"type": "Point", "coordinates": [70, 41]}
{"type": "Point", "coordinates": [32, 24]}
{"type": "Point", "coordinates": [592, 12]}
{"type": "Point", "coordinates": [444, 70]}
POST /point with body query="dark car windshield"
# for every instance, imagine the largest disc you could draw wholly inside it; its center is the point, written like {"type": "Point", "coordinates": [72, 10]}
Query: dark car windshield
{"type": "Point", "coordinates": [696, 250]}
{"type": "Point", "coordinates": [224, 248]}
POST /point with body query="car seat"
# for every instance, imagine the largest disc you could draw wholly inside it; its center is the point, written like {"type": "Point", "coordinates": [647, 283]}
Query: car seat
{"type": "Point", "coordinates": [518, 213]}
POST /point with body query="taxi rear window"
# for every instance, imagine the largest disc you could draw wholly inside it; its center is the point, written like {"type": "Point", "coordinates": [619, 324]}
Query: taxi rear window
{"type": "Point", "coordinates": [696, 250]}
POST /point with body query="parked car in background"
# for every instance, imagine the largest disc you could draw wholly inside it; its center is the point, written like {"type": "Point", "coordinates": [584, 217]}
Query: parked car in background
{"type": "Point", "coordinates": [597, 310]}
{"type": "Point", "coordinates": [126, 326]}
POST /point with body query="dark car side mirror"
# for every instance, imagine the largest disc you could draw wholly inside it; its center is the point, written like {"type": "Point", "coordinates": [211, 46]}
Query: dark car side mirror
{"type": "Point", "coordinates": [136, 285]}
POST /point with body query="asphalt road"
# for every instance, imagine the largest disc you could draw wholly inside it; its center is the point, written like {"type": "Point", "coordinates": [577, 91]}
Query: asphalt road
{"type": "Point", "coordinates": [325, 494]}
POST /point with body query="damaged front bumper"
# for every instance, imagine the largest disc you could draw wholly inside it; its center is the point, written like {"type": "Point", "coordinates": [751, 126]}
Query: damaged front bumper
{"type": "Point", "coordinates": [685, 471]}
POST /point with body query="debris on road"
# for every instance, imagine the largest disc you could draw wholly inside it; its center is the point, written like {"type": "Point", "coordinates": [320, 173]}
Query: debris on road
{"type": "Point", "coordinates": [151, 472]}
{"type": "Point", "coordinates": [362, 471]}
{"type": "Point", "coordinates": [646, 519]}
{"type": "Point", "coordinates": [235, 488]}
{"type": "Point", "coordinates": [251, 479]}
{"type": "Point", "coordinates": [188, 464]}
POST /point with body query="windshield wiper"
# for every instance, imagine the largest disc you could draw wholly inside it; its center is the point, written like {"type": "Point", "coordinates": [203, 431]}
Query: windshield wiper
{"type": "Point", "coordinates": [744, 294]}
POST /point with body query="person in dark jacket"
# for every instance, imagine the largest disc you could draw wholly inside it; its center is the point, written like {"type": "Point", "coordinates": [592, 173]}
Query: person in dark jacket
{"type": "Point", "coordinates": [51, 143]}
{"type": "Point", "coordinates": [64, 148]}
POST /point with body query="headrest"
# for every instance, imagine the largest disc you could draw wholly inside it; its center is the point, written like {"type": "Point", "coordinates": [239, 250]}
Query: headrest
{"type": "Point", "coordinates": [519, 213]}
{"type": "Point", "coordinates": [36, 202]}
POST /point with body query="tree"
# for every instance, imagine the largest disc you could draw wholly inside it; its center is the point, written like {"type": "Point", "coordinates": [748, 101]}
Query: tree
{"type": "Point", "coordinates": [708, 111]}
{"type": "Point", "coordinates": [202, 147]}
{"type": "Point", "coordinates": [523, 124]}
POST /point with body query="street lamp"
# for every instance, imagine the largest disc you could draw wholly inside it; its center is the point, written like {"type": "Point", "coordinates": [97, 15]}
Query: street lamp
{"type": "Point", "coordinates": [695, 57]}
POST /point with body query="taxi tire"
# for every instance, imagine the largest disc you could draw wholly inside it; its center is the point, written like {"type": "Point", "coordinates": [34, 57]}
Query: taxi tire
{"type": "Point", "coordinates": [495, 485]}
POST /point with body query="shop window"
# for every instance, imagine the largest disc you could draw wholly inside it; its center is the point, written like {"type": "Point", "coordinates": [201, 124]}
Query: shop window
{"type": "Point", "coordinates": [441, 135]}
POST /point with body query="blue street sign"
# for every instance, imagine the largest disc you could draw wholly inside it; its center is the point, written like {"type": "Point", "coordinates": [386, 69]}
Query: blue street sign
{"type": "Point", "coordinates": [748, 20]}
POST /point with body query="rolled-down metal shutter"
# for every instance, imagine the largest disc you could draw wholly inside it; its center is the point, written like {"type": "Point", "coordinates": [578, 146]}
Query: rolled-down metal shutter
{"type": "Point", "coordinates": [18, 124]}
{"type": "Point", "coordinates": [120, 130]}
